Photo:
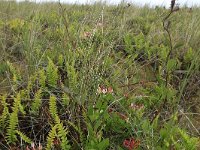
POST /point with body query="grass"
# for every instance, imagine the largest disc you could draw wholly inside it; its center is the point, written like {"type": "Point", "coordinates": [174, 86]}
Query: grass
{"type": "Point", "coordinates": [99, 76]}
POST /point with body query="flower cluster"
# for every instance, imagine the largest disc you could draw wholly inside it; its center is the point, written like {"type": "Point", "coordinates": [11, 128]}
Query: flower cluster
{"type": "Point", "coordinates": [131, 143]}
{"type": "Point", "coordinates": [104, 90]}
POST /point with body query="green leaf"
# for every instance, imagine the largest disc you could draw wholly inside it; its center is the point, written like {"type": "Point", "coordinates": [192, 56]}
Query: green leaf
{"type": "Point", "coordinates": [52, 73]}
{"type": "Point", "coordinates": [51, 135]}
{"type": "Point", "coordinates": [163, 133]}
{"type": "Point", "coordinates": [171, 64]}
{"type": "Point", "coordinates": [53, 106]}
{"type": "Point", "coordinates": [189, 55]}
{"type": "Point", "coordinates": [24, 137]}
{"type": "Point", "coordinates": [65, 100]}
{"type": "Point", "coordinates": [103, 144]}
{"type": "Point", "coordinates": [146, 126]}
{"type": "Point", "coordinates": [155, 123]}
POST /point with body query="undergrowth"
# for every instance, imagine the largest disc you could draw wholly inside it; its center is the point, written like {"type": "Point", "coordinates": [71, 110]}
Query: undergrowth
{"type": "Point", "coordinates": [99, 77]}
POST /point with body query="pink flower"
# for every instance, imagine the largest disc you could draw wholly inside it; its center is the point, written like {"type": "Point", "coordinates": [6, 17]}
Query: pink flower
{"type": "Point", "coordinates": [104, 90]}
{"type": "Point", "coordinates": [131, 143]}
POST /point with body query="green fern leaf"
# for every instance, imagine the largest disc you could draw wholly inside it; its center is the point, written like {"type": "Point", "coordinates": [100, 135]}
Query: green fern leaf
{"type": "Point", "coordinates": [53, 107]}
{"type": "Point", "coordinates": [5, 112]}
{"type": "Point", "coordinates": [37, 101]}
{"type": "Point", "coordinates": [42, 78]}
{"type": "Point", "coordinates": [52, 75]}
{"type": "Point", "coordinates": [23, 137]}
{"type": "Point", "coordinates": [13, 121]}
{"type": "Point", "coordinates": [62, 134]}
{"type": "Point", "coordinates": [51, 137]}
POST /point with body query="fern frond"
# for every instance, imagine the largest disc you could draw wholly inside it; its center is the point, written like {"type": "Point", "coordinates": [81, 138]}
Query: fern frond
{"type": "Point", "coordinates": [60, 60]}
{"type": "Point", "coordinates": [52, 73]}
{"type": "Point", "coordinates": [5, 112]}
{"type": "Point", "coordinates": [23, 137]}
{"type": "Point", "coordinates": [13, 121]}
{"type": "Point", "coordinates": [15, 74]}
{"type": "Point", "coordinates": [42, 78]}
{"type": "Point", "coordinates": [62, 134]}
{"type": "Point", "coordinates": [53, 107]}
{"type": "Point", "coordinates": [37, 101]}
{"type": "Point", "coordinates": [190, 142]}
{"type": "Point", "coordinates": [51, 137]}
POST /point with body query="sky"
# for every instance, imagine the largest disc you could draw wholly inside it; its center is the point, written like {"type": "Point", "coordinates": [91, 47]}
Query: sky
{"type": "Point", "coordinates": [139, 2]}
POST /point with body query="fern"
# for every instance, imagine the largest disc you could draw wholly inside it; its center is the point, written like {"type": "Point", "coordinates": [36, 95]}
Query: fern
{"type": "Point", "coordinates": [13, 121]}
{"type": "Point", "coordinates": [37, 101]}
{"type": "Point", "coordinates": [21, 109]}
{"type": "Point", "coordinates": [22, 94]}
{"type": "Point", "coordinates": [62, 134]}
{"type": "Point", "coordinates": [23, 137]}
{"type": "Point", "coordinates": [53, 107]}
{"type": "Point", "coordinates": [42, 78]}
{"type": "Point", "coordinates": [51, 136]}
{"type": "Point", "coordinates": [5, 112]}
{"type": "Point", "coordinates": [60, 60]}
{"type": "Point", "coordinates": [189, 142]}
{"type": "Point", "coordinates": [52, 75]}
{"type": "Point", "coordinates": [15, 75]}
